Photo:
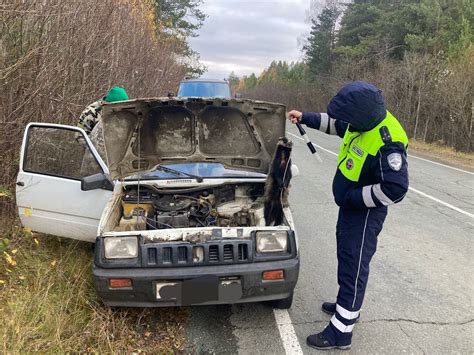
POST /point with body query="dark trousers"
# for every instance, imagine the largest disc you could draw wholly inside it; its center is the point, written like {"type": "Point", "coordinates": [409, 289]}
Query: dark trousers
{"type": "Point", "coordinates": [356, 235]}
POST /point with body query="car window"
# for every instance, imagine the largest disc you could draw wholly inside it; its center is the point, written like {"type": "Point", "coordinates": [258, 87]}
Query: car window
{"type": "Point", "coordinates": [59, 152]}
{"type": "Point", "coordinates": [204, 89]}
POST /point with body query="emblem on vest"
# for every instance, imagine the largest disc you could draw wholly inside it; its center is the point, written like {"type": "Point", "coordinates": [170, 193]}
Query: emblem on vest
{"type": "Point", "coordinates": [349, 164]}
{"type": "Point", "coordinates": [358, 151]}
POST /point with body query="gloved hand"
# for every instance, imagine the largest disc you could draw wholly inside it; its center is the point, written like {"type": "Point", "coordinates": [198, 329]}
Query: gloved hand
{"type": "Point", "coordinates": [295, 116]}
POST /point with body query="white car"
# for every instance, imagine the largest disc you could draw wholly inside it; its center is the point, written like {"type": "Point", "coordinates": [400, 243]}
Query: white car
{"type": "Point", "coordinates": [177, 213]}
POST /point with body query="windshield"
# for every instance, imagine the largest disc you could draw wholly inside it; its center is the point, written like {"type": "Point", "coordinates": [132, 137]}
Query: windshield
{"type": "Point", "coordinates": [205, 170]}
{"type": "Point", "coordinates": [204, 89]}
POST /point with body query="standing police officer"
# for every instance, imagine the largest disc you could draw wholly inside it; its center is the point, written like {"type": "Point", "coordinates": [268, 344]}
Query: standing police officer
{"type": "Point", "coordinates": [372, 173]}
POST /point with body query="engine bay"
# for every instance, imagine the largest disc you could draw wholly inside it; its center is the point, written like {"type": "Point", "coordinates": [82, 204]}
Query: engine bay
{"type": "Point", "coordinates": [148, 208]}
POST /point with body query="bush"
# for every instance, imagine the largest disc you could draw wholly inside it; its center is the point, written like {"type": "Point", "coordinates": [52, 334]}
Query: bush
{"type": "Point", "coordinates": [430, 95]}
{"type": "Point", "coordinates": [57, 56]}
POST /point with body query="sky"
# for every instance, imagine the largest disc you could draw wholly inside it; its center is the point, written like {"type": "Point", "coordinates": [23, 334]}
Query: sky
{"type": "Point", "coordinates": [245, 36]}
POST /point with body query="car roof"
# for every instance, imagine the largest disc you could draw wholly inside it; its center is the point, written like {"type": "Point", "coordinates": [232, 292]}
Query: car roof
{"type": "Point", "coordinates": [205, 80]}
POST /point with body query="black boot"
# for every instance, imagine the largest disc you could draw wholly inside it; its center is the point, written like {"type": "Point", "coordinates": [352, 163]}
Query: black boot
{"type": "Point", "coordinates": [330, 308]}
{"type": "Point", "coordinates": [318, 341]}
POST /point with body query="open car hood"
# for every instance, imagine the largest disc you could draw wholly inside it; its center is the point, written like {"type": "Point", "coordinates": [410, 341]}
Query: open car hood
{"type": "Point", "coordinates": [139, 134]}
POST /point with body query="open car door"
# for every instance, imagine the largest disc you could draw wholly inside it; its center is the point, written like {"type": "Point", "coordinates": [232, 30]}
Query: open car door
{"type": "Point", "coordinates": [62, 185]}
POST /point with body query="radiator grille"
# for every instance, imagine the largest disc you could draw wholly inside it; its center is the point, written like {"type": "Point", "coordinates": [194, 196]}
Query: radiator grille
{"type": "Point", "coordinates": [243, 252]}
{"type": "Point", "coordinates": [182, 254]}
{"type": "Point", "coordinates": [167, 255]}
{"type": "Point", "coordinates": [162, 255]}
{"type": "Point", "coordinates": [213, 253]}
{"type": "Point", "coordinates": [228, 252]}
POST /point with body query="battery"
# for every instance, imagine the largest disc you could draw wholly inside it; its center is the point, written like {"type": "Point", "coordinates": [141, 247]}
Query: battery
{"type": "Point", "coordinates": [131, 202]}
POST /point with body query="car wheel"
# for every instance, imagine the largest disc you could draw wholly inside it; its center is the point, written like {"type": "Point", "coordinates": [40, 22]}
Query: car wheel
{"type": "Point", "coordinates": [284, 303]}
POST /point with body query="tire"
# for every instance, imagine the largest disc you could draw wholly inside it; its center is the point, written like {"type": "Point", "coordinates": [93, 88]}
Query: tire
{"type": "Point", "coordinates": [284, 303]}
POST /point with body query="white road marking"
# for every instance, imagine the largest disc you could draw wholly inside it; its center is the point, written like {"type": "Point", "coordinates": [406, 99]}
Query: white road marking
{"type": "Point", "coordinates": [457, 209]}
{"type": "Point", "coordinates": [440, 164]}
{"type": "Point", "coordinates": [287, 332]}
{"type": "Point", "coordinates": [294, 135]}
{"type": "Point", "coordinates": [410, 155]}
{"type": "Point", "coordinates": [317, 146]}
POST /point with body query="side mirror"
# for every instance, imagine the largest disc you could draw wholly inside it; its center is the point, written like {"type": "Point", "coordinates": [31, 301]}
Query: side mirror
{"type": "Point", "coordinates": [171, 94]}
{"type": "Point", "coordinates": [97, 181]}
{"type": "Point", "coordinates": [238, 95]}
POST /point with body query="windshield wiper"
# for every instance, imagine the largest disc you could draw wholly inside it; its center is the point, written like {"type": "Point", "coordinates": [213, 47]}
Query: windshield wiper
{"type": "Point", "coordinates": [177, 172]}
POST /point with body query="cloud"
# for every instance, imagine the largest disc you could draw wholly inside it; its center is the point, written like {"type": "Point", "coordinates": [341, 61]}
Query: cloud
{"type": "Point", "coordinates": [245, 36]}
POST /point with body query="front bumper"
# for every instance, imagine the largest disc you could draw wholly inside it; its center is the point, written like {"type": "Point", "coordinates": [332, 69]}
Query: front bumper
{"type": "Point", "coordinates": [143, 291]}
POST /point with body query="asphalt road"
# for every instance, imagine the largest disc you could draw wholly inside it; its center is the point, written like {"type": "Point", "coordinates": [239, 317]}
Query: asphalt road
{"type": "Point", "coordinates": [420, 294]}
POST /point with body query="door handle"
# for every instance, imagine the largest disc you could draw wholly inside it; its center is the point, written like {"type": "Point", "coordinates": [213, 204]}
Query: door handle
{"type": "Point", "coordinates": [20, 183]}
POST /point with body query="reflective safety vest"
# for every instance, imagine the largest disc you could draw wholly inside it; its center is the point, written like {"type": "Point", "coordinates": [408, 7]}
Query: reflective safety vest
{"type": "Point", "coordinates": [357, 146]}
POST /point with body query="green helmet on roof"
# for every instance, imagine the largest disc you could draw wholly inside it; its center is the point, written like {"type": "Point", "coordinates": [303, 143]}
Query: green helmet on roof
{"type": "Point", "coordinates": [117, 93]}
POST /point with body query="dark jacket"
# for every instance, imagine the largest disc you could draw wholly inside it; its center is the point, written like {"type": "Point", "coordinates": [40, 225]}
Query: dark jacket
{"type": "Point", "coordinates": [359, 106]}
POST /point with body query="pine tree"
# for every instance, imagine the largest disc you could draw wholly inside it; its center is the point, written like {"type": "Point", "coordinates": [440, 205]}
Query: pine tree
{"type": "Point", "coordinates": [319, 51]}
{"type": "Point", "coordinates": [233, 80]}
{"type": "Point", "coordinates": [180, 17]}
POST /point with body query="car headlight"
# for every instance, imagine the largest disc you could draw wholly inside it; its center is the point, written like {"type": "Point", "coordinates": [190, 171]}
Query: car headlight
{"type": "Point", "coordinates": [272, 241]}
{"type": "Point", "coordinates": [121, 247]}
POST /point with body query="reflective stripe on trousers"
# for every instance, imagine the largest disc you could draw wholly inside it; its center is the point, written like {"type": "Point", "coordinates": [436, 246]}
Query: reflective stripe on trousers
{"type": "Point", "coordinates": [356, 235]}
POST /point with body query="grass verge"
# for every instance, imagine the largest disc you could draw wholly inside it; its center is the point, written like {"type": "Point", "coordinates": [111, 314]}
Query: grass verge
{"type": "Point", "coordinates": [48, 304]}
{"type": "Point", "coordinates": [442, 153]}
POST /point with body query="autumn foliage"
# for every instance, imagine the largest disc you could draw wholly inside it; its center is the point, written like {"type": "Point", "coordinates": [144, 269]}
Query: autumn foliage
{"type": "Point", "coordinates": [419, 52]}
{"type": "Point", "coordinates": [57, 56]}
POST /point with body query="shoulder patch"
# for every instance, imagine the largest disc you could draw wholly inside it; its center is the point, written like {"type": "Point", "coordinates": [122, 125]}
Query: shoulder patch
{"type": "Point", "coordinates": [395, 161]}
{"type": "Point", "coordinates": [385, 134]}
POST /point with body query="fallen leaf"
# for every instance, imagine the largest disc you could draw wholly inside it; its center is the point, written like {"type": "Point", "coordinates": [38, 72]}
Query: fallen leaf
{"type": "Point", "coordinates": [2, 282]}
{"type": "Point", "coordinates": [22, 277]}
{"type": "Point", "coordinates": [14, 251]}
{"type": "Point", "coordinates": [53, 263]}
{"type": "Point", "coordinates": [27, 212]}
{"type": "Point", "coordinates": [36, 241]}
{"type": "Point", "coordinates": [9, 259]}
{"type": "Point", "coordinates": [147, 334]}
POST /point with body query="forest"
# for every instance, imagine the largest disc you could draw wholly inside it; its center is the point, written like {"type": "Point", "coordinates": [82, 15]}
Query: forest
{"type": "Point", "coordinates": [57, 56]}
{"type": "Point", "coordinates": [419, 52]}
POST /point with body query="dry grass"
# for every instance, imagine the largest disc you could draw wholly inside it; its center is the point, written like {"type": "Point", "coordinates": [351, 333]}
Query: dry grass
{"type": "Point", "coordinates": [48, 304]}
{"type": "Point", "coordinates": [440, 151]}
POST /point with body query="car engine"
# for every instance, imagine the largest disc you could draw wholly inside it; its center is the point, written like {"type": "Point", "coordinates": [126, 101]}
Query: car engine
{"type": "Point", "coordinates": [223, 206]}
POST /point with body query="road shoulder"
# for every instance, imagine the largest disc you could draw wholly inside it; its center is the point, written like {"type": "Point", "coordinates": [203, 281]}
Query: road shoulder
{"type": "Point", "coordinates": [442, 154]}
